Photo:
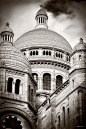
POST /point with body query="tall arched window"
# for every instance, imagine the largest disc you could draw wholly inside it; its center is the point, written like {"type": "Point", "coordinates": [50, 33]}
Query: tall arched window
{"type": "Point", "coordinates": [35, 77]}
{"type": "Point", "coordinates": [17, 84]}
{"type": "Point", "coordinates": [46, 81]}
{"type": "Point", "coordinates": [59, 80]}
{"type": "Point", "coordinates": [9, 85]}
{"type": "Point", "coordinates": [64, 115]}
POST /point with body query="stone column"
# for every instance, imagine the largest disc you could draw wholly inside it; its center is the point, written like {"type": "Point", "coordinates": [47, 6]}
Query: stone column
{"type": "Point", "coordinates": [38, 83]}
{"type": "Point", "coordinates": [64, 57]}
{"type": "Point", "coordinates": [40, 52]}
{"type": "Point", "coordinates": [41, 83]}
{"type": "Point", "coordinates": [13, 86]}
{"type": "Point", "coordinates": [27, 53]}
{"type": "Point", "coordinates": [21, 88]}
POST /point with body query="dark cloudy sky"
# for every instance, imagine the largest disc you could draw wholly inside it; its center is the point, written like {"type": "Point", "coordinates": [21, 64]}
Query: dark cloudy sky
{"type": "Point", "coordinates": [66, 17]}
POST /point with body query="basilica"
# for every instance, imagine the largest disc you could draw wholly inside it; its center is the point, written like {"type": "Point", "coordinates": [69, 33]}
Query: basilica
{"type": "Point", "coordinates": [42, 79]}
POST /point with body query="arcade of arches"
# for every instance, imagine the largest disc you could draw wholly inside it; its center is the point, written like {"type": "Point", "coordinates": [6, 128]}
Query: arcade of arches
{"type": "Point", "coordinates": [47, 80]}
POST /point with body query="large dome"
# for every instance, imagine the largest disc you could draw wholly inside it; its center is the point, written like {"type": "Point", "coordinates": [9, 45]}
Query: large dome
{"type": "Point", "coordinates": [43, 38]}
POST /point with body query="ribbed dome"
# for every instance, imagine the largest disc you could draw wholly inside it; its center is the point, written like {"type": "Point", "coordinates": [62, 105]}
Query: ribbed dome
{"type": "Point", "coordinates": [10, 57]}
{"type": "Point", "coordinates": [43, 38]}
{"type": "Point", "coordinates": [41, 12]}
{"type": "Point", "coordinates": [80, 46]}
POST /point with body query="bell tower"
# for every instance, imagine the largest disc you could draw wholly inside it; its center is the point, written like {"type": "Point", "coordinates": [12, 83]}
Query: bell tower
{"type": "Point", "coordinates": [41, 18]}
{"type": "Point", "coordinates": [7, 35]}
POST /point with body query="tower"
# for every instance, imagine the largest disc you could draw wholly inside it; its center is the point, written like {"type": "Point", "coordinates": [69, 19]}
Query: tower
{"type": "Point", "coordinates": [77, 76]}
{"type": "Point", "coordinates": [17, 87]}
{"type": "Point", "coordinates": [41, 19]}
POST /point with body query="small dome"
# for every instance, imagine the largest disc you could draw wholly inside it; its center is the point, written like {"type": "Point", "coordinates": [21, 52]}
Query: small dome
{"type": "Point", "coordinates": [10, 57]}
{"type": "Point", "coordinates": [41, 12]}
{"type": "Point", "coordinates": [80, 46]}
{"type": "Point", "coordinates": [7, 28]}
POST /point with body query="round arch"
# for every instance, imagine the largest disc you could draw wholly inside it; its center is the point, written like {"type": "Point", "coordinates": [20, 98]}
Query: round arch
{"type": "Point", "coordinates": [46, 72]}
{"type": "Point", "coordinates": [18, 112]}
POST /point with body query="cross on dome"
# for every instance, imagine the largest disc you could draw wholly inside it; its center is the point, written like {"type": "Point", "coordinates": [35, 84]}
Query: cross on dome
{"type": "Point", "coordinates": [41, 6]}
{"type": "Point", "coordinates": [81, 40]}
{"type": "Point", "coordinates": [7, 24]}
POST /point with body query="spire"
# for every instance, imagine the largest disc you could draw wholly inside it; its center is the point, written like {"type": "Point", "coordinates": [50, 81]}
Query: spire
{"type": "Point", "coordinates": [41, 18]}
{"type": "Point", "coordinates": [81, 40]}
{"type": "Point", "coordinates": [7, 35]}
{"type": "Point", "coordinates": [7, 24]}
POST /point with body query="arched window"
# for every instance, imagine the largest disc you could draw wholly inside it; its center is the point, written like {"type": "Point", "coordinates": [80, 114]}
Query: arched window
{"type": "Point", "coordinates": [64, 115]}
{"type": "Point", "coordinates": [61, 56]}
{"type": "Point", "coordinates": [47, 81]}
{"type": "Point", "coordinates": [46, 52]}
{"type": "Point", "coordinates": [35, 77]}
{"type": "Point", "coordinates": [36, 52]}
{"type": "Point", "coordinates": [17, 84]}
{"type": "Point", "coordinates": [49, 53]}
{"type": "Point", "coordinates": [59, 80]}
{"type": "Point", "coordinates": [58, 121]}
{"type": "Point", "coordinates": [9, 85]}
{"type": "Point", "coordinates": [56, 54]}
{"type": "Point", "coordinates": [43, 52]}
{"type": "Point", "coordinates": [31, 53]}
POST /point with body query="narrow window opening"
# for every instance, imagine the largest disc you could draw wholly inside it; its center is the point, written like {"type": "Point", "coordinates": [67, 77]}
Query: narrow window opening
{"type": "Point", "coordinates": [79, 57]}
{"type": "Point", "coordinates": [58, 121]}
{"type": "Point", "coordinates": [64, 115]}
{"type": "Point", "coordinates": [31, 53]}
{"type": "Point", "coordinates": [49, 53]}
{"type": "Point", "coordinates": [5, 37]}
{"type": "Point", "coordinates": [61, 56]}
{"type": "Point", "coordinates": [43, 52]}
{"type": "Point", "coordinates": [17, 85]}
{"type": "Point", "coordinates": [36, 52]}
{"type": "Point", "coordinates": [41, 19]}
{"type": "Point", "coordinates": [8, 37]}
{"type": "Point", "coordinates": [46, 52]}
{"type": "Point", "coordinates": [9, 85]}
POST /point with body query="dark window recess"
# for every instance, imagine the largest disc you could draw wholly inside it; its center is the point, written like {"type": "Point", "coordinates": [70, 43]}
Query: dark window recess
{"type": "Point", "coordinates": [17, 86]}
{"type": "Point", "coordinates": [47, 81]}
{"type": "Point", "coordinates": [59, 80]}
{"type": "Point", "coordinates": [9, 85]}
{"type": "Point", "coordinates": [43, 52]}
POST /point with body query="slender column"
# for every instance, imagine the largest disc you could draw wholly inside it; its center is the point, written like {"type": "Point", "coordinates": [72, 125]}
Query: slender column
{"type": "Point", "coordinates": [38, 83]}
{"type": "Point", "coordinates": [13, 86]}
{"type": "Point", "coordinates": [40, 52]}
{"type": "Point", "coordinates": [21, 88]}
{"type": "Point", "coordinates": [41, 83]}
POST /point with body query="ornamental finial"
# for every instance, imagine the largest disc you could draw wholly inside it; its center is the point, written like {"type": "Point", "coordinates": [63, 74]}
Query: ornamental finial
{"type": "Point", "coordinates": [7, 24]}
{"type": "Point", "coordinates": [41, 6]}
{"type": "Point", "coordinates": [81, 40]}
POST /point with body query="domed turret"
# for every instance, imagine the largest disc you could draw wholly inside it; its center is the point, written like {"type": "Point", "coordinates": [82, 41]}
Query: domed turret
{"type": "Point", "coordinates": [80, 46]}
{"type": "Point", "coordinates": [41, 18]}
{"type": "Point", "coordinates": [7, 35]}
{"type": "Point", "coordinates": [78, 65]}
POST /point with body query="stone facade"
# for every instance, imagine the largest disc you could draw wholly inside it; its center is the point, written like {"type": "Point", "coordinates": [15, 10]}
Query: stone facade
{"type": "Point", "coordinates": [42, 80]}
